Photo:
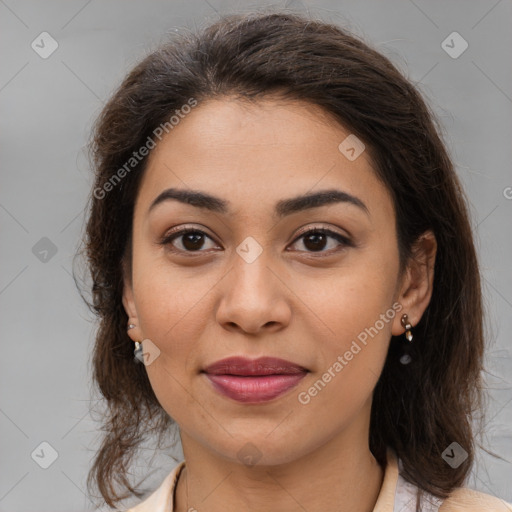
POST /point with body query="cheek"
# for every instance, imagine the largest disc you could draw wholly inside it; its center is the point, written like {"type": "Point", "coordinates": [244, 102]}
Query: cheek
{"type": "Point", "coordinates": [171, 307]}
{"type": "Point", "coordinates": [354, 312]}
{"type": "Point", "coordinates": [171, 313]}
{"type": "Point", "coordinates": [350, 360]}
{"type": "Point", "coordinates": [350, 300]}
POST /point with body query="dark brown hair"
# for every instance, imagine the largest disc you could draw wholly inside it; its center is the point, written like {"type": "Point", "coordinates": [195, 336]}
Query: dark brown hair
{"type": "Point", "coordinates": [418, 409]}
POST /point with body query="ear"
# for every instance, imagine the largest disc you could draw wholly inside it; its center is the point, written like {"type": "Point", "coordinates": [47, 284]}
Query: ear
{"type": "Point", "coordinates": [129, 304]}
{"type": "Point", "coordinates": [417, 283]}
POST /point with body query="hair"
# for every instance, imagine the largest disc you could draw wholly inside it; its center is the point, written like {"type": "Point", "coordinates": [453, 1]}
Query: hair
{"type": "Point", "coordinates": [418, 409]}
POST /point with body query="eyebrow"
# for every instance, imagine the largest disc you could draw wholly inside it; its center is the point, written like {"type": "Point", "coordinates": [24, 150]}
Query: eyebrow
{"type": "Point", "coordinates": [282, 208]}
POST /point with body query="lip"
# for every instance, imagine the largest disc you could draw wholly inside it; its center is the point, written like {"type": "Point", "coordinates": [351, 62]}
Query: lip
{"type": "Point", "coordinates": [243, 366]}
{"type": "Point", "coordinates": [254, 380]}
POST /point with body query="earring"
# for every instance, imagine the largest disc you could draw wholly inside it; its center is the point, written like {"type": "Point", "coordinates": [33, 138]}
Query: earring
{"type": "Point", "coordinates": [138, 352]}
{"type": "Point", "coordinates": [406, 358]}
{"type": "Point", "coordinates": [407, 326]}
{"type": "Point", "coordinates": [131, 326]}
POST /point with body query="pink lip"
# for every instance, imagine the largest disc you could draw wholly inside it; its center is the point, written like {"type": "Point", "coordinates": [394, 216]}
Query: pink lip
{"type": "Point", "coordinates": [254, 381]}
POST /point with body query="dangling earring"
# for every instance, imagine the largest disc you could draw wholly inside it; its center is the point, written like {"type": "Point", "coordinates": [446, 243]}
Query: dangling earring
{"type": "Point", "coordinates": [138, 352]}
{"type": "Point", "coordinates": [406, 357]}
{"type": "Point", "coordinates": [138, 347]}
{"type": "Point", "coordinates": [407, 326]}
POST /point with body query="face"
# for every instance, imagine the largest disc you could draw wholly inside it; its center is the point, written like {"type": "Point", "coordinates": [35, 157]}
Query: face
{"type": "Point", "coordinates": [256, 276]}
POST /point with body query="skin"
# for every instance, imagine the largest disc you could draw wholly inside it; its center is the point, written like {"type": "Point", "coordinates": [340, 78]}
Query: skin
{"type": "Point", "coordinates": [293, 302]}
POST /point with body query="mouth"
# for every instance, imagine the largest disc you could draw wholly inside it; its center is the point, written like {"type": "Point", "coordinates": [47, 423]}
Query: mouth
{"type": "Point", "coordinates": [254, 381]}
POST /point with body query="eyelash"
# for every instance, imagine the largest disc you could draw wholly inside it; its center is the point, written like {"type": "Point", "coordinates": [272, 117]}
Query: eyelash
{"type": "Point", "coordinates": [343, 240]}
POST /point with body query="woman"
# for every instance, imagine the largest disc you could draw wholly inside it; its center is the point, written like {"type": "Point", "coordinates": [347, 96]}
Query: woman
{"type": "Point", "coordinates": [277, 227]}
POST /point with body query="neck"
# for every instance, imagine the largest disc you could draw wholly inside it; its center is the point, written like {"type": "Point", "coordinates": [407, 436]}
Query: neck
{"type": "Point", "coordinates": [338, 476]}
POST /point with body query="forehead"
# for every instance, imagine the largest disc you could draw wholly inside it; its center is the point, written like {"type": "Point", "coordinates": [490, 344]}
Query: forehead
{"type": "Point", "coordinates": [254, 154]}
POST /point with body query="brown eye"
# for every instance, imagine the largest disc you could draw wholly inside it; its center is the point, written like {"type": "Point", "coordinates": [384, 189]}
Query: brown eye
{"type": "Point", "coordinates": [317, 239]}
{"type": "Point", "coordinates": [192, 240]}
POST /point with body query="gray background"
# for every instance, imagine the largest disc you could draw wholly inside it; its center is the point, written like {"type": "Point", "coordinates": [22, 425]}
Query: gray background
{"type": "Point", "coordinates": [48, 106]}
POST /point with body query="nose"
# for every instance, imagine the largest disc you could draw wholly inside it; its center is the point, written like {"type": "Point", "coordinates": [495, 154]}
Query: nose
{"type": "Point", "coordinates": [254, 297]}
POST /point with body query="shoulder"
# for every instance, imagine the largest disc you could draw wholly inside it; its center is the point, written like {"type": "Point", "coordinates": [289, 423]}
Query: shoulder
{"type": "Point", "coordinates": [161, 500]}
{"type": "Point", "coordinates": [463, 499]}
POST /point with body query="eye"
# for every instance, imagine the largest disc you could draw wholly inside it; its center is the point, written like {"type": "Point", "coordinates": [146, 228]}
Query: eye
{"type": "Point", "coordinates": [316, 240]}
{"type": "Point", "coordinates": [192, 240]}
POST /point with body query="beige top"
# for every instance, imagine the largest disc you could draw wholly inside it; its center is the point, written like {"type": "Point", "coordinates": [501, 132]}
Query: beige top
{"type": "Point", "coordinates": [396, 495]}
